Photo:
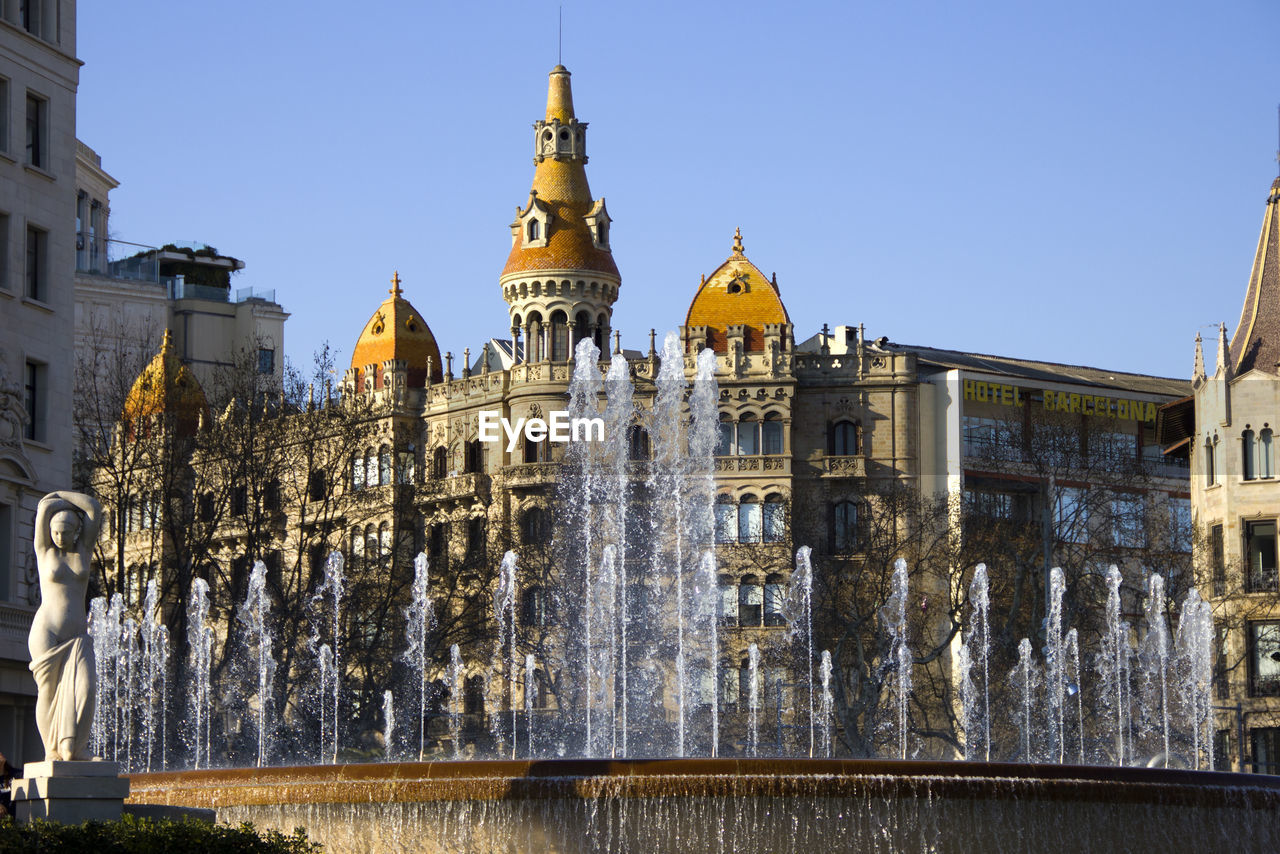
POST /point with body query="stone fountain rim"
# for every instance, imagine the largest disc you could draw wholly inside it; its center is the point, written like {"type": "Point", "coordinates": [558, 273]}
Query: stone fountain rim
{"type": "Point", "coordinates": [442, 780]}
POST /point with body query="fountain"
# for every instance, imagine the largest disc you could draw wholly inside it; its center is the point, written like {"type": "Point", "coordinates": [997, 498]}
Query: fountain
{"type": "Point", "coordinates": [329, 656]}
{"type": "Point", "coordinates": [420, 620]}
{"type": "Point", "coordinates": [631, 758]}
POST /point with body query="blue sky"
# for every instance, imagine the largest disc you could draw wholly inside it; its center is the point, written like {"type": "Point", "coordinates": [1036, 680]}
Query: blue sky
{"type": "Point", "coordinates": [1075, 182]}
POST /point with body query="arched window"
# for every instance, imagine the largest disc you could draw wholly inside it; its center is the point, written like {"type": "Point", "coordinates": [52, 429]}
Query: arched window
{"type": "Point", "coordinates": [535, 607]}
{"type": "Point", "coordinates": [749, 521]}
{"type": "Point", "coordinates": [357, 545]}
{"type": "Point", "coordinates": [728, 683]}
{"type": "Point", "coordinates": [384, 539]}
{"type": "Point", "coordinates": [748, 436]}
{"type": "Point", "coordinates": [1247, 451]}
{"type": "Point", "coordinates": [726, 520]}
{"type": "Point", "coordinates": [582, 329]}
{"type": "Point", "coordinates": [534, 346]}
{"type": "Point", "coordinates": [750, 601]}
{"type": "Point", "coordinates": [371, 550]}
{"type": "Point", "coordinates": [405, 464]}
{"type": "Point", "coordinates": [725, 447]}
{"type": "Point", "coordinates": [844, 439]}
{"type": "Point", "coordinates": [559, 337]}
{"type": "Point", "coordinates": [1210, 464]}
{"type": "Point", "coordinates": [474, 457]}
{"type": "Point", "coordinates": [728, 606]}
{"type": "Point", "coordinates": [771, 435]}
{"type": "Point", "coordinates": [637, 443]}
{"type": "Point", "coordinates": [1266, 454]}
{"type": "Point", "coordinates": [473, 696]}
{"type": "Point", "coordinates": [438, 545]}
{"type": "Point", "coordinates": [440, 463]}
{"type": "Point", "coordinates": [357, 471]}
{"type": "Point", "coordinates": [602, 333]}
{"type": "Point", "coordinates": [775, 518]}
{"type": "Point", "coordinates": [384, 466]}
{"type": "Point", "coordinates": [534, 452]}
{"type": "Point", "coordinates": [370, 467]}
{"type": "Point", "coordinates": [844, 526]}
{"type": "Point", "coordinates": [775, 593]}
{"type": "Point", "coordinates": [535, 230]}
{"type": "Point", "coordinates": [534, 527]}
{"type": "Point", "coordinates": [317, 487]}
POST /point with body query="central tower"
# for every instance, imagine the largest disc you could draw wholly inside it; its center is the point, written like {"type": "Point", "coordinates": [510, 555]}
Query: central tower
{"type": "Point", "coordinates": [560, 281]}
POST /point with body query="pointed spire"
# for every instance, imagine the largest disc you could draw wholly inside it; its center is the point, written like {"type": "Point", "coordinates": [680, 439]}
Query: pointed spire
{"type": "Point", "coordinates": [395, 285]}
{"type": "Point", "coordinates": [1256, 341]}
{"type": "Point", "coordinates": [559, 95]}
{"type": "Point", "coordinates": [737, 243]}
{"type": "Point", "coordinates": [1197, 371]}
{"type": "Point", "coordinates": [1222, 349]}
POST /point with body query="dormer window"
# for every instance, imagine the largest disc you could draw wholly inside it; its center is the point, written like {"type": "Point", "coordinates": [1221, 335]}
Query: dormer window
{"type": "Point", "coordinates": [598, 221]}
{"type": "Point", "coordinates": [532, 225]}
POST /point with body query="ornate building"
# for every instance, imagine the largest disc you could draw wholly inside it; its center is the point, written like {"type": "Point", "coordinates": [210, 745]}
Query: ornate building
{"type": "Point", "coordinates": [1226, 428]}
{"type": "Point", "coordinates": [836, 442]}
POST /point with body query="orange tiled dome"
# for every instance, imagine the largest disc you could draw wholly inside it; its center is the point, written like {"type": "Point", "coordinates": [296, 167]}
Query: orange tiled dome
{"type": "Point", "coordinates": [397, 331]}
{"type": "Point", "coordinates": [737, 293]}
{"type": "Point", "coordinates": [560, 185]}
{"type": "Point", "coordinates": [165, 387]}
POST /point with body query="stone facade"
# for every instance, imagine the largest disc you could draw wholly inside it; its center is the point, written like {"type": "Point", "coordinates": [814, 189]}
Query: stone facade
{"type": "Point", "coordinates": [1226, 429]}
{"type": "Point", "coordinates": [39, 74]}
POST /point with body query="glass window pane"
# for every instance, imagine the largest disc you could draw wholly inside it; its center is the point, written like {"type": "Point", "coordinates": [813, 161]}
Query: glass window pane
{"type": "Point", "coordinates": [772, 437]}
{"type": "Point", "coordinates": [726, 523]}
{"type": "Point", "coordinates": [749, 523]}
{"type": "Point", "coordinates": [774, 522]}
{"type": "Point", "coordinates": [725, 446]}
{"type": "Point", "coordinates": [1265, 642]}
{"type": "Point", "coordinates": [748, 438]}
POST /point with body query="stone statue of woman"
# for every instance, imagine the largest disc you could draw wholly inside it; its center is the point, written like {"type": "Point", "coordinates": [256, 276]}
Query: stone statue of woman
{"type": "Point", "coordinates": [62, 659]}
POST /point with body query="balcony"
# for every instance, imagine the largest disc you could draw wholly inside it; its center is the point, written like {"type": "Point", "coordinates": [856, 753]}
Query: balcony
{"type": "Point", "coordinates": [531, 474]}
{"type": "Point", "coordinates": [844, 466]}
{"type": "Point", "coordinates": [116, 259]}
{"type": "Point", "coordinates": [457, 486]}
{"type": "Point", "coordinates": [772, 463]}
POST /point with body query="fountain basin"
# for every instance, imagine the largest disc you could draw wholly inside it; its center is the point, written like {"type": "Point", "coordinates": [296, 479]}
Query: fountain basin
{"type": "Point", "coordinates": [775, 805]}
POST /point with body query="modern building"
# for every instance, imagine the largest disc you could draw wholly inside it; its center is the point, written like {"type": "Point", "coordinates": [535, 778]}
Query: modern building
{"type": "Point", "coordinates": [128, 294]}
{"type": "Point", "coordinates": [1226, 429]}
{"type": "Point", "coordinates": [39, 74]}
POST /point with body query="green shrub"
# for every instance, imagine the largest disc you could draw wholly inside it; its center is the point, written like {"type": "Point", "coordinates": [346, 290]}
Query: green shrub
{"type": "Point", "coordinates": [144, 836]}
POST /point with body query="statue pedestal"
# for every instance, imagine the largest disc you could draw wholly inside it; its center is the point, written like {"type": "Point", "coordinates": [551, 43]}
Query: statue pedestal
{"type": "Point", "coordinates": [70, 792]}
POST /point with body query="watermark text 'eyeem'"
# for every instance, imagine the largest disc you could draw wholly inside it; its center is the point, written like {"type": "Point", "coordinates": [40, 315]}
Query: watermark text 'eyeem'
{"type": "Point", "coordinates": [559, 427]}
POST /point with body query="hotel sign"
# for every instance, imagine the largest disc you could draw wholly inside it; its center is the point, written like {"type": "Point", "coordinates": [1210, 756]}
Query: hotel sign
{"type": "Point", "coordinates": [1097, 405]}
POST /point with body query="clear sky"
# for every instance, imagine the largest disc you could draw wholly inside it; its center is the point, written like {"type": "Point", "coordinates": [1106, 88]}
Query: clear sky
{"type": "Point", "coordinates": [1078, 182]}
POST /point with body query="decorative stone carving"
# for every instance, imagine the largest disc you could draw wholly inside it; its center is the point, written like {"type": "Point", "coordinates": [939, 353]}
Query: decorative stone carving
{"type": "Point", "coordinates": [62, 661]}
{"type": "Point", "coordinates": [13, 416]}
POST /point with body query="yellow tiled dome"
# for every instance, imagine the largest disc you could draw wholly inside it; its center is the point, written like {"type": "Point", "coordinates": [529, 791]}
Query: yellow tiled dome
{"type": "Point", "coordinates": [560, 185]}
{"type": "Point", "coordinates": [737, 293]}
{"type": "Point", "coordinates": [397, 331]}
{"type": "Point", "coordinates": [165, 387]}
